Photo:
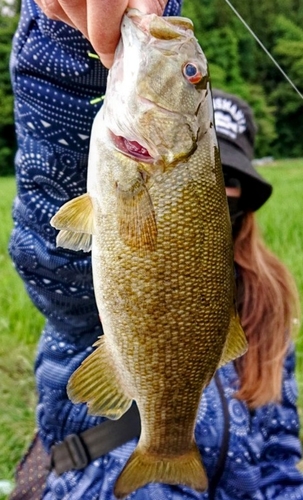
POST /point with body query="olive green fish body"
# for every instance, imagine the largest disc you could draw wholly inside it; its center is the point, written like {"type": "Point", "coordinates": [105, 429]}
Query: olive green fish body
{"type": "Point", "coordinates": [164, 310]}
{"type": "Point", "coordinates": [161, 250]}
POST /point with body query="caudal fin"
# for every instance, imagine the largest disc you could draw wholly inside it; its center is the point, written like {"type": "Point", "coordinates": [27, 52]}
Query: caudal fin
{"type": "Point", "coordinates": [143, 468]}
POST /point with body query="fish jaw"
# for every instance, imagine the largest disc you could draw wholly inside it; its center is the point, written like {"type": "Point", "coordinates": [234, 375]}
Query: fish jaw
{"type": "Point", "coordinates": [160, 111]}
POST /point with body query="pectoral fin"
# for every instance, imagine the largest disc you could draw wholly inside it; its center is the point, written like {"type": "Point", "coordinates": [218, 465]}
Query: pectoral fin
{"type": "Point", "coordinates": [136, 216]}
{"type": "Point", "coordinates": [236, 343]}
{"type": "Point", "coordinates": [75, 219]}
{"type": "Point", "coordinates": [96, 383]}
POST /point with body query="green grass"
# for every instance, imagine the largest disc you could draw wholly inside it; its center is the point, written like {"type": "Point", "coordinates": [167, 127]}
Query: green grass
{"type": "Point", "coordinates": [282, 226]}
{"type": "Point", "coordinates": [281, 221]}
{"type": "Point", "coordinates": [20, 325]}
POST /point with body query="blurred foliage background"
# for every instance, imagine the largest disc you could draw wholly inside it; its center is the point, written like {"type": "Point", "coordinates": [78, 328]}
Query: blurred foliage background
{"type": "Point", "coordinates": [237, 64]}
{"type": "Point", "coordinates": [9, 16]}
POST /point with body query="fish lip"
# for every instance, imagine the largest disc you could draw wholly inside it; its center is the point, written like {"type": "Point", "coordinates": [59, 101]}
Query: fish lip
{"type": "Point", "coordinates": [131, 149]}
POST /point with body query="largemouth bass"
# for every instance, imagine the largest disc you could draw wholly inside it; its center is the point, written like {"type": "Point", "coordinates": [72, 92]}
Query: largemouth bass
{"type": "Point", "coordinates": [156, 217]}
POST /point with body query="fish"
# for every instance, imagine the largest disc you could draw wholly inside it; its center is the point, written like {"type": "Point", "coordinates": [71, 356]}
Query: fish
{"type": "Point", "coordinates": [156, 220]}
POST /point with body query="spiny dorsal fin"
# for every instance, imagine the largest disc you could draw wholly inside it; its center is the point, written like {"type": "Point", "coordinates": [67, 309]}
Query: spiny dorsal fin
{"type": "Point", "coordinates": [136, 217]}
{"type": "Point", "coordinates": [236, 343]}
{"type": "Point", "coordinates": [96, 383]}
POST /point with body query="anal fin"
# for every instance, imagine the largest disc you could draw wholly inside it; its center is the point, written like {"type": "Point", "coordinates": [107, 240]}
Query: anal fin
{"type": "Point", "coordinates": [96, 383]}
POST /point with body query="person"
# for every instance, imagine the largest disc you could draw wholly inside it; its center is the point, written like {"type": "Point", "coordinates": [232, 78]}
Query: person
{"type": "Point", "coordinates": [247, 424]}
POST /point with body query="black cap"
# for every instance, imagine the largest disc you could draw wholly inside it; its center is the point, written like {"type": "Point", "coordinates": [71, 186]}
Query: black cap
{"type": "Point", "coordinates": [236, 132]}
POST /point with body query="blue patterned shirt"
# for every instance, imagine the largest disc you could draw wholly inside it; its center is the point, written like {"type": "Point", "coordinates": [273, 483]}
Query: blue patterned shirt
{"type": "Point", "coordinates": [54, 81]}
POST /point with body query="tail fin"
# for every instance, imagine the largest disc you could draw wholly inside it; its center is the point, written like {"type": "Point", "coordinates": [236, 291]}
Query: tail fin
{"type": "Point", "coordinates": [143, 468]}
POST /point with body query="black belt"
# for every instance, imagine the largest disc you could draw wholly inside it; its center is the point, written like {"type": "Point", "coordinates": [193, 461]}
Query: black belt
{"type": "Point", "coordinates": [78, 450]}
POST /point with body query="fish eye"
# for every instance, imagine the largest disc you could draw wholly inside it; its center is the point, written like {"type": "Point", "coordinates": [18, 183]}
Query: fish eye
{"type": "Point", "coordinates": [192, 73]}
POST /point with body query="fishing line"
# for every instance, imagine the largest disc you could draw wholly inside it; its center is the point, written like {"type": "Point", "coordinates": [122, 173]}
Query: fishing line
{"type": "Point", "coordinates": [264, 48]}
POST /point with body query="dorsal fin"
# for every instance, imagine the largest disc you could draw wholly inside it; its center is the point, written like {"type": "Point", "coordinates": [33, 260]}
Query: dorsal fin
{"type": "Point", "coordinates": [236, 342]}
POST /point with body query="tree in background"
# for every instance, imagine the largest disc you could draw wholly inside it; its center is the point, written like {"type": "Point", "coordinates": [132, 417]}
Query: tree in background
{"type": "Point", "coordinates": [238, 64]}
{"type": "Point", "coordinates": [288, 47]}
{"type": "Point", "coordinates": [8, 23]}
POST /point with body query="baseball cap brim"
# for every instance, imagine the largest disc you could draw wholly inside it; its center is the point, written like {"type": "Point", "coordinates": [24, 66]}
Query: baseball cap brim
{"type": "Point", "coordinates": [255, 189]}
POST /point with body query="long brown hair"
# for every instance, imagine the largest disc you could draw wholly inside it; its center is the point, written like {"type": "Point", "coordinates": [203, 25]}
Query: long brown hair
{"type": "Point", "coordinates": [267, 303]}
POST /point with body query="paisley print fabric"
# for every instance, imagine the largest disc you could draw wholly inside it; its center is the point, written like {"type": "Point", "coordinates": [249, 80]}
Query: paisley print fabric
{"type": "Point", "coordinates": [54, 82]}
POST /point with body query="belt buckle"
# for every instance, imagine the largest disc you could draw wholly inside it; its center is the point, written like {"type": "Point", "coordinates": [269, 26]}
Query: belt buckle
{"type": "Point", "coordinates": [77, 451]}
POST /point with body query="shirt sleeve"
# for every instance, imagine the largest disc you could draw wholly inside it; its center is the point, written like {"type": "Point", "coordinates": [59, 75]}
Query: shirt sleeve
{"type": "Point", "coordinates": [281, 450]}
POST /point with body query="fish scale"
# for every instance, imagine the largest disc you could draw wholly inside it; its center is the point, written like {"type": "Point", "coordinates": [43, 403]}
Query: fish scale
{"type": "Point", "coordinates": [159, 229]}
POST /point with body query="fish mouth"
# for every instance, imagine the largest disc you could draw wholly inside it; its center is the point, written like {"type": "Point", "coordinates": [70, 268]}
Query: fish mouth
{"type": "Point", "coordinates": [132, 149]}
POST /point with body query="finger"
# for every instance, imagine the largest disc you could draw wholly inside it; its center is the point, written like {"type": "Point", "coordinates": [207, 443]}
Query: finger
{"type": "Point", "coordinates": [149, 6]}
{"type": "Point", "coordinates": [53, 10]}
{"type": "Point", "coordinates": [104, 21]}
{"type": "Point", "coordinates": [76, 12]}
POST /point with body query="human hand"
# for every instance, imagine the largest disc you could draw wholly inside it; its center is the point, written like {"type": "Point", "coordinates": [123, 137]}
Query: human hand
{"type": "Point", "coordinates": [98, 20]}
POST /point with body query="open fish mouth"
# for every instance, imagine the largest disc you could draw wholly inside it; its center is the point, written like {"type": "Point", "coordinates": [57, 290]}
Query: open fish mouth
{"type": "Point", "coordinates": [132, 149]}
